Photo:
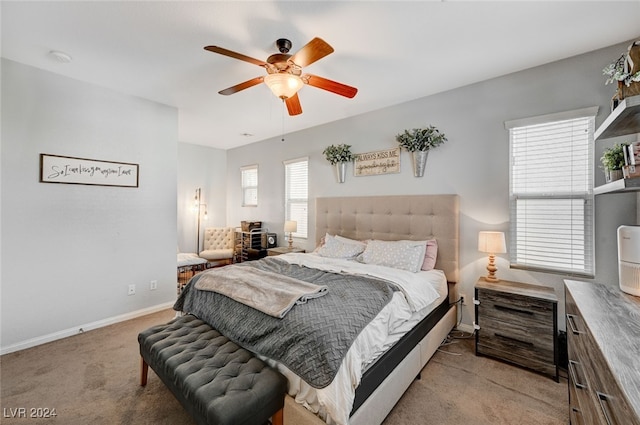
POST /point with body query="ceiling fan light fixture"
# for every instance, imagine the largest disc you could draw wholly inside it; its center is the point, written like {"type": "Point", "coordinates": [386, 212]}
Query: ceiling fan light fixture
{"type": "Point", "coordinates": [283, 85]}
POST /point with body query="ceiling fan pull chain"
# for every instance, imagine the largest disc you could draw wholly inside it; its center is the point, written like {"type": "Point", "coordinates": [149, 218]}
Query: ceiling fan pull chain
{"type": "Point", "coordinates": [283, 106]}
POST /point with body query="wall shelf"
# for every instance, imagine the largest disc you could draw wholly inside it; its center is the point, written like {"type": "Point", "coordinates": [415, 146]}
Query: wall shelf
{"type": "Point", "coordinates": [625, 119]}
{"type": "Point", "coordinates": [618, 186]}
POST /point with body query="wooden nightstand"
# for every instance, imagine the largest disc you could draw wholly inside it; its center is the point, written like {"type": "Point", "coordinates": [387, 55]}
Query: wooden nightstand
{"type": "Point", "coordinates": [283, 250]}
{"type": "Point", "coordinates": [517, 323]}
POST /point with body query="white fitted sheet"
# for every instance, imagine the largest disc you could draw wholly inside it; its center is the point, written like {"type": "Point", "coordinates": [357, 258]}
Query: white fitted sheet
{"type": "Point", "coordinates": [421, 293]}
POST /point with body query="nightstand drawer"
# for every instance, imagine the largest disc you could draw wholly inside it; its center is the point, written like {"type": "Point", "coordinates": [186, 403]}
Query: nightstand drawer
{"type": "Point", "coordinates": [520, 340]}
{"type": "Point", "coordinates": [515, 308]}
{"type": "Point", "coordinates": [510, 356]}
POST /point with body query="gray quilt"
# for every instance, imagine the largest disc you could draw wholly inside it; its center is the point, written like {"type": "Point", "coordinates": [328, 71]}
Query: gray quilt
{"type": "Point", "coordinates": [313, 338]}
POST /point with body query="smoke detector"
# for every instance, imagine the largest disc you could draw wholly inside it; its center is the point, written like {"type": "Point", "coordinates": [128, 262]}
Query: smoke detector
{"type": "Point", "coordinates": [60, 56]}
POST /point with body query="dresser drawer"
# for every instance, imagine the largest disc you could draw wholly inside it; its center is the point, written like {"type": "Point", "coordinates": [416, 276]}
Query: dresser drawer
{"type": "Point", "coordinates": [602, 346]}
{"type": "Point", "coordinates": [581, 394]}
{"type": "Point", "coordinates": [605, 391]}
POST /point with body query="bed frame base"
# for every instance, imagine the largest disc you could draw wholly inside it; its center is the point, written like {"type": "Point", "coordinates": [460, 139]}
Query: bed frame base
{"type": "Point", "coordinates": [376, 408]}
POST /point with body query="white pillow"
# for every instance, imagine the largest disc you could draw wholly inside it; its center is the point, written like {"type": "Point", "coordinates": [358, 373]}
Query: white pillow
{"type": "Point", "coordinates": [404, 255]}
{"type": "Point", "coordinates": [347, 240]}
{"type": "Point", "coordinates": [338, 248]}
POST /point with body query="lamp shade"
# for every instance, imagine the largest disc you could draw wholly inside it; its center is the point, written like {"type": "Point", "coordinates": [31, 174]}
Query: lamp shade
{"type": "Point", "coordinates": [492, 242]}
{"type": "Point", "coordinates": [283, 85]}
{"type": "Point", "coordinates": [290, 226]}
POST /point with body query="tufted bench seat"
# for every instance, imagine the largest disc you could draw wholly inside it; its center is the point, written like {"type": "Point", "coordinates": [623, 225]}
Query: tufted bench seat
{"type": "Point", "coordinates": [217, 382]}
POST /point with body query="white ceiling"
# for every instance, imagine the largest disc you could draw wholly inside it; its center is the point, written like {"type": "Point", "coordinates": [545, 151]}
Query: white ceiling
{"type": "Point", "coordinates": [391, 51]}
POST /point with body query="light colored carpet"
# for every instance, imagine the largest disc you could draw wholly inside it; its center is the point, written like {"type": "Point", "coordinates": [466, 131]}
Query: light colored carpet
{"type": "Point", "coordinates": [459, 388]}
{"type": "Point", "coordinates": [93, 378]}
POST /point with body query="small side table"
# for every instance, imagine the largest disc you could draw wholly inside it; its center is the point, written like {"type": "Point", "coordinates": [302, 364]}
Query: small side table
{"type": "Point", "coordinates": [283, 250]}
{"type": "Point", "coordinates": [517, 323]}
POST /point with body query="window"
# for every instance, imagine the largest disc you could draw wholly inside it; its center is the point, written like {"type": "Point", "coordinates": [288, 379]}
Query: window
{"type": "Point", "coordinates": [297, 194]}
{"type": "Point", "coordinates": [551, 192]}
{"type": "Point", "coordinates": [249, 186]}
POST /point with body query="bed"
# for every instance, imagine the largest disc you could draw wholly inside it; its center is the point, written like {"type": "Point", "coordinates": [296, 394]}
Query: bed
{"type": "Point", "coordinates": [391, 364]}
{"type": "Point", "coordinates": [188, 265]}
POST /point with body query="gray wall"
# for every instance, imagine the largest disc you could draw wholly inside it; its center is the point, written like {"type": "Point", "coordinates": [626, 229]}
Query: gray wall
{"type": "Point", "coordinates": [204, 168]}
{"type": "Point", "coordinates": [69, 252]}
{"type": "Point", "coordinates": [474, 163]}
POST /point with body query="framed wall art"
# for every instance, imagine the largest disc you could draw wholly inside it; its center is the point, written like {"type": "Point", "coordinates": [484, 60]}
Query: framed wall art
{"type": "Point", "coordinates": [378, 162]}
{"type": "Point", "coordinates": [72, 170]}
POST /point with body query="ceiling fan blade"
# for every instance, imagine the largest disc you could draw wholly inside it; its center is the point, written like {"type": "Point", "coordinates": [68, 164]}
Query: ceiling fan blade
{"type": "Point", "coordinates": [314, 50]}
{"type": "Point", "coordinates": [293, 105]}
{"type": "Point", "coordinates": [329, 85]}
{"type": "Point", "coordinates": [235, 55]}
{"type": "Point", "coordinates": [242, 86]}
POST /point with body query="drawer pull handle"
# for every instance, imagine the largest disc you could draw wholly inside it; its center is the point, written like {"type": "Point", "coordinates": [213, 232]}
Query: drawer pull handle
{"type": "Point", "coordinates": [571, 321]}
{"type": "Point", "coordinates": [576, 416]}
{"type": "Point", "coordinates": [527, 343]}
{"type": "Point", "coordinates": [515, 310]}
{"type": "Point", "coordinates": [572, 372]}
{"type": "Point", "coordinates": [604, 399]}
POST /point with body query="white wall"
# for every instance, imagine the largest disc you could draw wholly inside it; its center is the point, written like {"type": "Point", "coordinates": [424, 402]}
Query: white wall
{"type": "Point", "coordinates": [69, 252]}
{"type": "Point", "coordinates": [474, 163]}
{"type": "Point", "coordinates": [204, 168]}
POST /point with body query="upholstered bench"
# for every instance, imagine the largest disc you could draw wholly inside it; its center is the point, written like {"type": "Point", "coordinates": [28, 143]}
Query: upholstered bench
{"type": "Point", "coordinates": [217, 382]}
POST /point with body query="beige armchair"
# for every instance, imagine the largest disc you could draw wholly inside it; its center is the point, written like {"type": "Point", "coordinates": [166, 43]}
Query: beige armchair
{"type": "Point", "coordinates": [218, 245]}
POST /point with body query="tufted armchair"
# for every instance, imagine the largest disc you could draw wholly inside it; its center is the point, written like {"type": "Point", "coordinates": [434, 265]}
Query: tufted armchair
{"type": "Point", "coordinates": [218, 245]}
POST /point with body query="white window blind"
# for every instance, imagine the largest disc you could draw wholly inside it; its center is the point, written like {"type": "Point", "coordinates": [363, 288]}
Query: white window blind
{"type": "Point", "coordinates": [551, 193]}
{"type": "Point", "coordinates": [297, 194]}
{"type": "Point", "coordinates": [249, 186]}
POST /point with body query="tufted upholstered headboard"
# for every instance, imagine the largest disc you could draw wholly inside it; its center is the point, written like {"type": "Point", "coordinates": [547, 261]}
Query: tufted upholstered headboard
{"type": "Point", "coordinates": [413, 217]}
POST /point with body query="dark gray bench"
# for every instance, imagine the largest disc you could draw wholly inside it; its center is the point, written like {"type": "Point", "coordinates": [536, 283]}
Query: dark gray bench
{"type": "Point", "coordinates": [217, 382]}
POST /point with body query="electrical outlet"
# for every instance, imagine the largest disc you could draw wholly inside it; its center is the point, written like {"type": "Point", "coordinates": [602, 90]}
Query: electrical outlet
{"type": "Point", "coordinates": [463, 299]}
{"type": "Point", "coordinates": [132, 289]}
{"type": "Point", "coordinates": [153, 285]}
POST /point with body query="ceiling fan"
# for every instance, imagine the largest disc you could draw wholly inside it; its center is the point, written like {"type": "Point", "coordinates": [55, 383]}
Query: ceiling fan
{"type": "Point", "coordinates": [284, 72]}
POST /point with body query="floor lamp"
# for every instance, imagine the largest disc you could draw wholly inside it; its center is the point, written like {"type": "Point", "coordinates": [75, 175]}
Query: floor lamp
{"type": "Point", "coordinates": [198, 205]}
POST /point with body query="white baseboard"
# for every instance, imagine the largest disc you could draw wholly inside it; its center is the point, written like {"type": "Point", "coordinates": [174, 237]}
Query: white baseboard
{"type": "Point", "coordinates": [83, 328]}
{"type": "Point", "coordinates": [465, 328]}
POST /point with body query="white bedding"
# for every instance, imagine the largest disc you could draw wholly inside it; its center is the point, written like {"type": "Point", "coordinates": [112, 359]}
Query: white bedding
{"type": "Point", "coordinates": [189, 259]}
{"type": "Point", "coordinates": [420, 293]}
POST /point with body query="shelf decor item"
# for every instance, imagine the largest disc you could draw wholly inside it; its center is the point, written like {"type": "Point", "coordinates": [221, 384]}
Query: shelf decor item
{"type": "Point", "coordinates": [626, 72]}
{"type": "Point", "coordinates": [419, 141]}
{"type": "Point", "coordinates": [612, 162]}
{"type": "Point", "coordinates": [339, 155]}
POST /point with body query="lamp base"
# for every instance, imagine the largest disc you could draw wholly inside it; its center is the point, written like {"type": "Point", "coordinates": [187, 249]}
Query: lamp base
{"type": "Point", "coordinates": [290, 241]}
{"type": "Point", "coordinates": [492, 269]}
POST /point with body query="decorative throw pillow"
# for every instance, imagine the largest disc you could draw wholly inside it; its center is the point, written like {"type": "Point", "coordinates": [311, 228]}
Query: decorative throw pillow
{"type": "Point", "coordinates": [430, 255]}
{"type": "Point", "coordinates": [335, 248]}
{"type": "Point", "coordinates": [404, 255]}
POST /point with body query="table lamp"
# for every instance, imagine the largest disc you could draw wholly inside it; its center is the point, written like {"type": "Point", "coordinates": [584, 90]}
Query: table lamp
{"type": "Point", "coordinates": [290, 227]}
{"type": "Point", "coordinates": [492, 243]}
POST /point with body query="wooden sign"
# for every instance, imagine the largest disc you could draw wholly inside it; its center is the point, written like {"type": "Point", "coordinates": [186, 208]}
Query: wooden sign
{"type": "Point", "coordinates": [70, 170]}
{"type": "Point", "coordinates": [378, 162]}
